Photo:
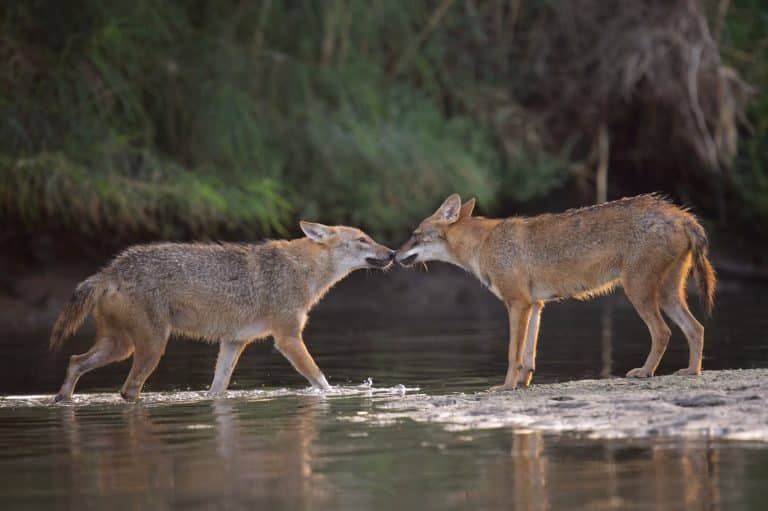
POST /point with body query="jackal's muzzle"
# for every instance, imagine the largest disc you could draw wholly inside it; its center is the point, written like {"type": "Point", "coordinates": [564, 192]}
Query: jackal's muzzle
{"type": "Point", "coordinates": [409, 260]}
{"type": "Point", "coordinates": [381, 263]}
{"type": "Point", "coordinates": [405, 255]}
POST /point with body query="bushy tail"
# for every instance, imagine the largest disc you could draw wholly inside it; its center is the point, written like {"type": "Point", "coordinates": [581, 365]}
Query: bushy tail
{"type": "Point", "coordinates": [702, 269]}
{"type": "Point", "coordinates": [75, 310]}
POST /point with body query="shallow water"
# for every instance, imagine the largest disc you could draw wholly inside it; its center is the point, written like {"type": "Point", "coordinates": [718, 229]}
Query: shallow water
{"type": "Point", "coordinates": [273, 442]}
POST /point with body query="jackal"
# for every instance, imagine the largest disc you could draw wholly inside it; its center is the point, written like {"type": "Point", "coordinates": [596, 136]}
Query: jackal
{"type": "Point", "coordinates": [227, 293]}
{"type": "Point", "coordinates": [644, 243]}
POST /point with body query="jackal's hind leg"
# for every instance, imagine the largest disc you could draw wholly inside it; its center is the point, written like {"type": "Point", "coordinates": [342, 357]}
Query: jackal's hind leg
{"type": "Point", "coordinates": [105, 351]}
{"type": "Point", "coordinates": [146, 356]}
{"type": "Point", "coordinates": [229, 353]}
{"type": "Point", "coordinates": [674, 304]}
{"type": "Point", "coordinates": [293, 348]}
{"type": "Point", "coordinates": [694, 334]}
{"type": "Point", "coordinates": [645, 299]}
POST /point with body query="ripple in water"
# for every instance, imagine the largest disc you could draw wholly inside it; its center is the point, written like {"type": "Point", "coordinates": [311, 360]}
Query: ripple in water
{"type": "Point", "coordinates": [186, 396]}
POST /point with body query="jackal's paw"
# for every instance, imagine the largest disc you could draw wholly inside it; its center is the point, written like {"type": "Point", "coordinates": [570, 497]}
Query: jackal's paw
{"type": "Point", "coordinates": [688, 371]}
{"type": "Point", "coordinates": [525, 376]}
{"type": "Point", "coordinates": [131, 397]}
{"type": "Point", "coordinates": [639, 373]}
{"type": "Point", "coordinates": [503, 387]}
{"type": "Point", "coordinates": [320, 383]}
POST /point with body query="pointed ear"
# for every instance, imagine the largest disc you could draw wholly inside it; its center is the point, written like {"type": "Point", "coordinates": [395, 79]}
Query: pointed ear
{"type": "Point", "coordinates": [449, 211]}
{"type": "Point", "coordinates": [316, 232]}
{"type": "Point", "coordinates": [466, 208]}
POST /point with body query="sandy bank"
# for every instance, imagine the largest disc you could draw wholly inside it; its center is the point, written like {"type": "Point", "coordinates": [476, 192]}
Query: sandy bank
{"type": "Point", "coordinates": [719, 404]}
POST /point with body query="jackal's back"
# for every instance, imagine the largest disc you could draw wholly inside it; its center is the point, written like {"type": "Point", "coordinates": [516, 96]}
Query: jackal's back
{"type": "Point", "coordinates": [204, 290]}
{"type": "Point", "coordinates": [585, 251]}
{"type": "Point", "coordinates": [166, 269]}
{"type": "Point", "coordinates": [622, 227]}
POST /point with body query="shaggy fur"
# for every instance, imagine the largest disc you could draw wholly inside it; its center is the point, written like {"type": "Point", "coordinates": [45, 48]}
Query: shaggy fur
{"type": "Point", "coordinates": [645, 244]}
{"type": "Point", "coordinates": [227, 293]}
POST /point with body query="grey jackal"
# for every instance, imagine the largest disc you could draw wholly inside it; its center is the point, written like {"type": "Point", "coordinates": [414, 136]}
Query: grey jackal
{"type": "Point", "coordinates": [227, 293]}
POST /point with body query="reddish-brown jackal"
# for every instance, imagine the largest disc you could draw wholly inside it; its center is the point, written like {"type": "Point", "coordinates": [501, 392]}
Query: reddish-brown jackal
{"type": "Point", "coordinates": [228, 293]}
{"type": "Point", "coordinates": [644, 243]}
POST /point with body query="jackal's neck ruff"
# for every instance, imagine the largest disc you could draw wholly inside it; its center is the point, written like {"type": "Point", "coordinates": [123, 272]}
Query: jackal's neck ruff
{"type": "Point", "coordinates": [322, 269]}
{"type": "Point", "coordinates": [465, 237]}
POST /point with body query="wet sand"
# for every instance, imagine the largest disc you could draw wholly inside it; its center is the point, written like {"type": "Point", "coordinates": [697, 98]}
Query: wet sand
{"type": "Point", "coordinates": [729, 404]}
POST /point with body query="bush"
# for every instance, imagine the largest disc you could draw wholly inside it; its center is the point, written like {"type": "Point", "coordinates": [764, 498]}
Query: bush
{"type": "Point", "coordinates": [196, 118]}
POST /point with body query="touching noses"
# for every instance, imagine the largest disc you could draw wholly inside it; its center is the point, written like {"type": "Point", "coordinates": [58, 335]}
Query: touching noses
{"type": "Point", "coordinates": [405, 261]}
{"type": "Point", "coordinates": [402, 258]}
{"type": "Point", "coordinates": [383, 257]}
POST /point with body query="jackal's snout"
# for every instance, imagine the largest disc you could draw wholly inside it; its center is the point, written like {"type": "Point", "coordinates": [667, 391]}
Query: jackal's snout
{"type": "Point", "coordinates": [408, 260]}
{"type": "Point", "coordinates": [405, 255]}
{"type": "Point", "coordinates": [352, 248]}
{"type": "Point", "coordinates": [382, 261]}
{"type": "Point", "coordinates": [429, 242]}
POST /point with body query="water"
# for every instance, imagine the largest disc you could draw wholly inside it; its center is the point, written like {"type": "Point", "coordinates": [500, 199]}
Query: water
{"type": "Point", "coordinates": [274, 443]}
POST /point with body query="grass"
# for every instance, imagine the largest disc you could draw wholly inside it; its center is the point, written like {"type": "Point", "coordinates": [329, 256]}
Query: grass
{"type": "Point", "coordinates": [200, 118]}
{"type": "Point", "coordinates": [166, 202]}
{"type": "Point", "coordinates": [194, 118]}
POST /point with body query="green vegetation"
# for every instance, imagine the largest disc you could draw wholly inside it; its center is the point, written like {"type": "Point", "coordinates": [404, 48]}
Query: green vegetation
{"type": "Point", "coordinates": [745, 46]}
{"type": "Point", "coordinates": [200, 118]}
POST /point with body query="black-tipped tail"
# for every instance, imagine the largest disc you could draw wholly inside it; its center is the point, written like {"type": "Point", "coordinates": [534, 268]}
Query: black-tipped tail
{"type": "Point", "coordinates": [702, 268]}
{"type": "Point", "coordinates": [75, 311]}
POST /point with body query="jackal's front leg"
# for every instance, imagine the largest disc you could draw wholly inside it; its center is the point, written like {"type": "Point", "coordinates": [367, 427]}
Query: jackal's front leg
{"type": "Point", "coordinates": [229, 353]}
{"type": "Point", "coordinates": [519, 315]}
{"type": "Point", "coordinates": [293, 348]}
{"type": "Point", "coordinates": [531, 340]}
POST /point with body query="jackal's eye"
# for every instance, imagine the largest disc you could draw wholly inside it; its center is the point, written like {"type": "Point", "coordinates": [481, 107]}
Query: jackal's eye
{"type": "Point", "coordinates": [363, 240]}
{"type": "Point", "coordinates": [428, 236]}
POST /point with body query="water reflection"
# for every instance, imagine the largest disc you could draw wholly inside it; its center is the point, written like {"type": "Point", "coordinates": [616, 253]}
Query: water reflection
{"type": "Point", "coordinates": [123, 458]}
{"type": "Point", "coordinates": [278, 466]}
{"type": "Point", "coordinates": [274, 449]}
{"type": "Point", "coordinates": [294, 451]}
{"type": "Point", "coordinates": [193, 453]}
{"type": "Point", "coordinates": [535, 476]}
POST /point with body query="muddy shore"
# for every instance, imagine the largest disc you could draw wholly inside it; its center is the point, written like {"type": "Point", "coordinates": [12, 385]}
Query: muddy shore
{"type": "Point", "coordinates": [730, 404]}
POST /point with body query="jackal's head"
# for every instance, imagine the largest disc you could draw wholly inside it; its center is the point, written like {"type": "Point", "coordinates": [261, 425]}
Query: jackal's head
{"type": "Point", "coordinates": [352, 249]}
{"type": "Point", "coordinates": [429, 241]}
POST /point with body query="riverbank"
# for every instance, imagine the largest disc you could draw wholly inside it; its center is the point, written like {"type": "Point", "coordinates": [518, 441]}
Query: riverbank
{"type": "Point", "coordinates": [730, 404]}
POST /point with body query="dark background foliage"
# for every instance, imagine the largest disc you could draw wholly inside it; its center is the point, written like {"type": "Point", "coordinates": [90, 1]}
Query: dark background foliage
{"type": "Point", "coordinates": [205, 119]}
